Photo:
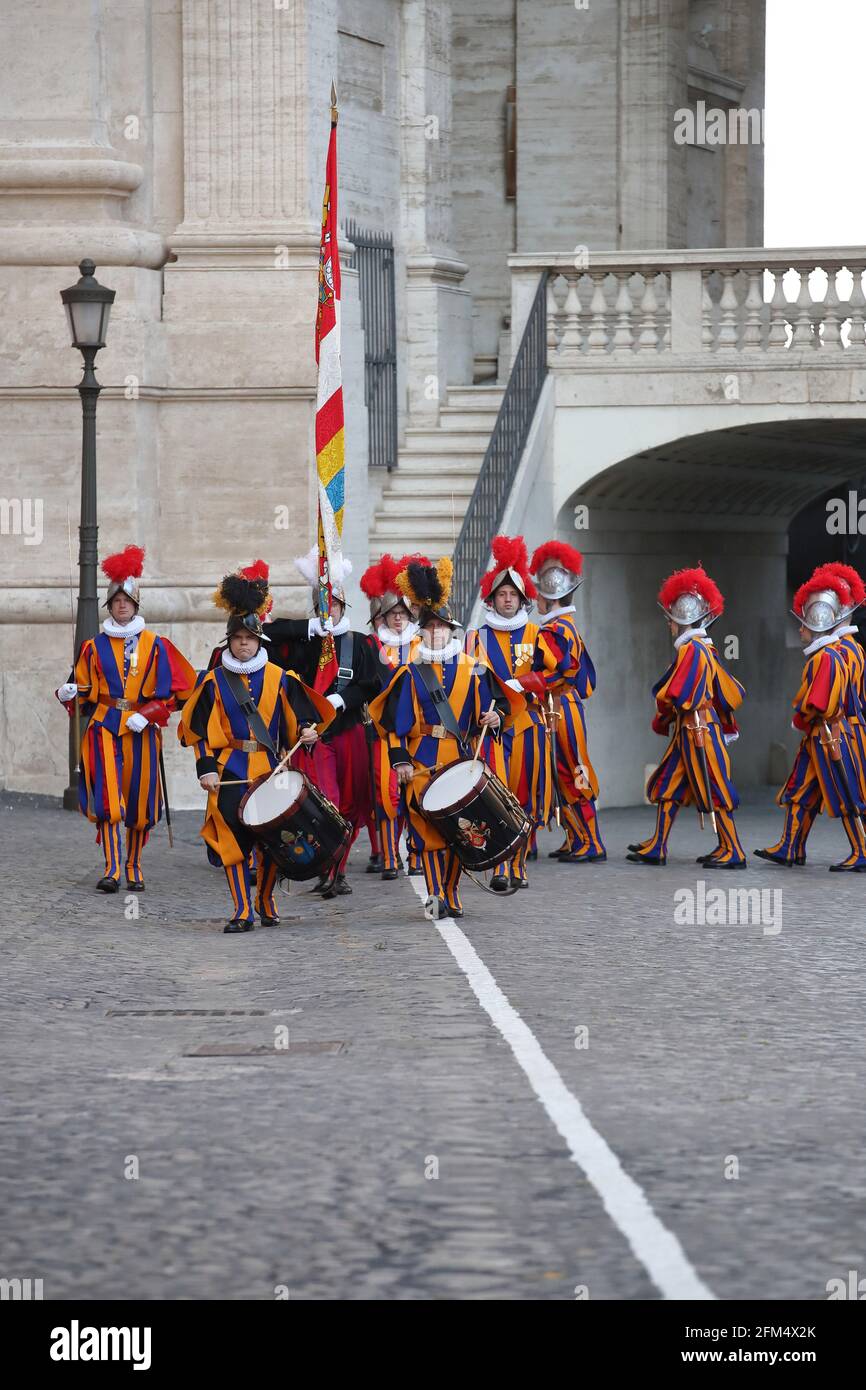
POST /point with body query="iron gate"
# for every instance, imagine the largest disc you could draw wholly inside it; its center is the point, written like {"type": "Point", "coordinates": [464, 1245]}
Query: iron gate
{"type": "Point", "coordinates": [374, 261]}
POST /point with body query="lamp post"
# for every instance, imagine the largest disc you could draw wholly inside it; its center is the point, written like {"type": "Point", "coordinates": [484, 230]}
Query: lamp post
{"type": "Point", "coordinates": [88, 305]}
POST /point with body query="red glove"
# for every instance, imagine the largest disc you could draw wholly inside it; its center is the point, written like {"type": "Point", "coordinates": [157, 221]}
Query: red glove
{"type": "Point", "coordinates": [156, 712]}
{"type": "Point", "coordinates": [533, 684]}
{"type": "Point", "coordinates": [661, 724]}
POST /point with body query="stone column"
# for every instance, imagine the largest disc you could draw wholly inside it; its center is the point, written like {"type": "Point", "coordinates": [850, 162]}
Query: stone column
{"type": "Point", "coordinates": [653, 84]}
{"type": "Point", "coordinates": [438, 309]}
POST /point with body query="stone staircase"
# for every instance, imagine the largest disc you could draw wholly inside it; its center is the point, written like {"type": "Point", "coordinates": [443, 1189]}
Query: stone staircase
{"type": "Point", "coordinates": [425, 498]}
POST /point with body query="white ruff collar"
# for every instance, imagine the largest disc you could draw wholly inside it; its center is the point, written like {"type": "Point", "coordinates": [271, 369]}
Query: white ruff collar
{"type": "Point", "coordinates": [130, 629]}
{"type": "Point", "coordinates": [823, 641]}
{"type": "Point", "coordinates": [395, 639]}
{"type": "Point", "coordinates": [500, 624]}
{"type": "Point", "coordinates": [690, 632]}
{"type": "Point", "coordinates": [845, 631]}
{"type": "Point", "coordinates": [442, 654]}
{"type": "Point", "coordinates": [557, 613]}
{"type": "Point", "coordinates": [245, 668]}
{"type": "Point", "coordinates": [316, 629]}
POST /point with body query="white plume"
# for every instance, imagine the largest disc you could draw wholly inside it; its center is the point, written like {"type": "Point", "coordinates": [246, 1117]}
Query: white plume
{"type": "Point", "coordinates": [308, 565]}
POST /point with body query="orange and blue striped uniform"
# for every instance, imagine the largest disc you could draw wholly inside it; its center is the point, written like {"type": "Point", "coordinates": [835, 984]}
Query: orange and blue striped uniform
{"type": "Point", "coordinates": [404, 714]}
{"type": "Point", "coordinates": [562, 668]}
{"type": "Point", "coordinates": [389, 799]}
{"type": "Point", "coordinates": [855, 698]}
{"type": "Point", "coordinates": [118, 779]}
{"type": "Point", "coordinates": [695, 687]}
{"type": "Point", "coordinates": [510, 653]}
{"type": "Point", "coordinates": [212, 722]}
{"type": "Point", "coordinates": [818, 781]}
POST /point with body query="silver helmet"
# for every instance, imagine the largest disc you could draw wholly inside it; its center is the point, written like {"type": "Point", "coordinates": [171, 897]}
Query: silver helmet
{"type": "Point", "coordinates": [554, 581]}
{"type": "Point", "coordinates": [822, 611]}
{"type": "Point", "coordinates": [129, 586]}
{"type": "Point", "coordinates": [689, 610]}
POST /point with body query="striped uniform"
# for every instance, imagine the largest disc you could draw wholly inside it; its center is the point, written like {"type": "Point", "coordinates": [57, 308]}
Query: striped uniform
{"type": "Point", "coordinates": [211, 722]}
{"type": "Point", "coordinates": [524, 743]}
{"type": "Point", "coordinates": [695, 684]}
{"type": "Point", "coordinates": [404, 713]}
{"type": "Point", "coordinates": [855, 698]}
{"type": "Point", "coordinates": [390, 800]}
{"type": "Point", "coordinates": [562, 668]}
{"type": "Point", "coordinates": [118, 780]}
{"type": "Point", "coordinates": [819, 781]}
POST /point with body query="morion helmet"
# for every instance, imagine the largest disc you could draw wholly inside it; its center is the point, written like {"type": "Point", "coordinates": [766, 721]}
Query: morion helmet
{"type": "Point", "coordinates": [691, 598]}
{"type": "Point", "coordinates": [123, 571]}
{"type": "Point", "coordinates": [823, 601]}
{"type": "Point", "coordinates": [246, 598]}
{"type": "Point", "coordinates": [428, 588]}
{"type": "Point", "coordinates": [557, 569]}
{"type": "Point", "coordinates": [510, 566]}
{"type": "Point", "coordinates": [852, 581]}
{"type": "Point", "coordinates": [379, 583]}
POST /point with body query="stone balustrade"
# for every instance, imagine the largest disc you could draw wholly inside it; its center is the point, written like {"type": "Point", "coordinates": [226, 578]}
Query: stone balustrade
{"type": "Point", "coordinates": [705, 303]}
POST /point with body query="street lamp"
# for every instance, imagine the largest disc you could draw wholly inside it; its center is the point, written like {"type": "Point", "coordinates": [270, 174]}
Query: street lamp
{"type": "Point", "coordinates": [88, 305]}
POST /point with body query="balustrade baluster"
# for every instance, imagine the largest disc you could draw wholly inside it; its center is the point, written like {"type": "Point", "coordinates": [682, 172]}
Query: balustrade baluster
{"type": "Point", "coordinates": [777, 338]}
{"type": "Point", "coordinates": [856, 309]}
{"type": "Point", "coordinates": [832, 316]}
{"type": "Point", "coordinates": [804, 335]}
{"type": "Point", "coordinates": [648, 338]}
{"type": "Point", "coordinates": [572, 310]}
{"type": "Point", "coordinates": [706, 312]}
{"type": "Point", "coordinates": [729, 331]}
{"type": "Point", "coordinates": [597, 339]}
{"type": "Point", "coordinates": [623, 338]}
{"type": "Point", "coordinates": [754, 307]}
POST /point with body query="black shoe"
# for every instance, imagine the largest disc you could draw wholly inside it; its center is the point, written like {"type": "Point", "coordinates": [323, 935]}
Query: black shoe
{"type": "Point", "coordinates": [519, 882]}
{"type": "Point", "coordinates": [772, 859]}
{"type": "Point", "coordinates": [642, 859]}
{"type": "Point", "coordinates": [322, 884]}
{"type": "Point", "coordinates": [636, 849]}
{"type": "Point", "coordinates": [134, 887]}
{"type": "Point", "coordinates": [108, 885]}
{"type": "Point", "coordinates": [555, 853]}
{"type": "Point", "coordinates": [241, 924]}
{"type": "Point", "coordinates": [338, 889]}
{"type": "Point", "coordinates": [390, 874]}
{"type": "Point", "coordinates": [269, 921]}
{"type": "Point", "coordinates": [724, 864]}
{"type": "Point", "coordinates": [416, 873]}
{"type": "Point", "coordinates": [374, 864]}
{"type": "Point", "coordinates": [499, 885]}
{"type": "Point", "coordinates": [583, 858]}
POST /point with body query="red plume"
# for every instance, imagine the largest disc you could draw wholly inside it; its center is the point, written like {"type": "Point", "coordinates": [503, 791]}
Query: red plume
{"type": "Point", "coordinates": [381, 578]}
{"type": "Point", "coordinates": [822, 578]}
{"type": "Point", "coordinates": [509, 552]}
{"type": "Point", "coordinates": [415, 559]}
{"type": "Point", "coordinates": [259, 569]}
{"type": "Point", "coordinates": [125, 564]}
{"type": "Point", "coordinates": [849, 576]}
{"type": "Point", "coordinates": [695, 581]}
{"type": "Point", "coordinates": [565, 555]}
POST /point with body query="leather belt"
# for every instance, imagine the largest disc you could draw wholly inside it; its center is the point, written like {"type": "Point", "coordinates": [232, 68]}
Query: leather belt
{"type": "Point", "coordinates": [434, 731]}
{"type": "Point", "coordinates": [127, 706]}
{"type": "Point", "coordinates": [246, 745]}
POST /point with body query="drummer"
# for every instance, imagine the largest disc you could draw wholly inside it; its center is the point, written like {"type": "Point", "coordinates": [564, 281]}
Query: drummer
{"type": "Point", "coordinates": [430, 712]}
{"type": "Point", "coordinates": [394, 639]}
{"type": "Point", "coordinates": [506, 642]}
{"type": "Point", "coordinates": [240, 718]}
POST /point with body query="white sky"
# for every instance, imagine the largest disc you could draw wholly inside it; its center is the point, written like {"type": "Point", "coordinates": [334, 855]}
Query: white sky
{"type": "Point", "coordinates": [815, 135]}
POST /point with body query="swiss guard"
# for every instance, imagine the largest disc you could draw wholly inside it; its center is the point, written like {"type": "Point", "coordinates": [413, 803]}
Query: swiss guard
{"type": "Point", "coordinates": [242, 717]}
{"type": "Point", "coordinates": [126, 682]}
{"type": "Point", "coordinates": [561, 679]}
{"type": "Point", "coordinates": [394, 641]}
{"type": "Point", "coordinates": [825, 772]}
{"type": "Point", "coordinates": [695, 703]}
{"type": "Point", "coordinates": [506, 642]}
{"type": "Point", "coordinates": [845, 639]}
{"type": "Point", "coordinates": [339, 764]}
{"type": "Point", "coordinates": [430, 713]}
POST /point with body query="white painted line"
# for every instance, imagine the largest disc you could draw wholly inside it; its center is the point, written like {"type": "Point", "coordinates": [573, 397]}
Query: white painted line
{"type": "Point", "coordinates": [657, 1248]}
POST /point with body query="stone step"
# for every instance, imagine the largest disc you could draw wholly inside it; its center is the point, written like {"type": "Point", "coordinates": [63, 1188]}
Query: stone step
{"type": "Point", "coordinates": [441, 441]}
{"type": "Point", "coordinates": [408, 527]}
{"type": "Point", "coordinates": [426, 462]}
{"type": "Point", "coordinates": [451, 419]}
{"type": "Point", "coordinates": [429, 484]}
{"type": "Point", "coordinates": [412, 510]}
{"type": "Point", "coordinates": [475, 397]}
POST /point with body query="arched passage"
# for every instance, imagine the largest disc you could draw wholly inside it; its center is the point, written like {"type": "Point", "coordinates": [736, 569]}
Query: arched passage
{"type": "Point", "coordinates": [726, 499]}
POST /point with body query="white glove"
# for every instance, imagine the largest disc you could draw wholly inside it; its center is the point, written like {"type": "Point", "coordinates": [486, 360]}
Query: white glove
{"type": "Point", "coordinates": [515, 685]}
{"type": "Point", "coordinates": [730, 738]}
{"type": "Point", "coordinates": [137, 722]}
{"type": "Point", "coordinates": [67, 691]}
{"type": "Point", "coordinates": [337, 701]}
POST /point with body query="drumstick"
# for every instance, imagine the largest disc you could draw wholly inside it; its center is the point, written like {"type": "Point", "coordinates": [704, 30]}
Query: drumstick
{"type": "Point", "coordinates": [483, 732]}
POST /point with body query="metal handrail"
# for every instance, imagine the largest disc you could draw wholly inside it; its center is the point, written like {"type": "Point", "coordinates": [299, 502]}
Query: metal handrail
{"type": "Point", "coordinates": [502, 457]}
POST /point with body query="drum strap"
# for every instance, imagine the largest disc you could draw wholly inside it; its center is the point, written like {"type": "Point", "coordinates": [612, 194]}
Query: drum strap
{"type": "Point", "coordinates": [345, 674]}
{"type": "Point", "coordinates": [433, 686]}
{"type": "Point", "coordinates": [258, 727]}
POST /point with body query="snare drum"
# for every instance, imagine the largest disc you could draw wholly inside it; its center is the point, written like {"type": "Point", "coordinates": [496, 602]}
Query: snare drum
{"type": "Point", "coordinates": [476, 814]}
{"type": "Point", "coordinates": [301, 830]}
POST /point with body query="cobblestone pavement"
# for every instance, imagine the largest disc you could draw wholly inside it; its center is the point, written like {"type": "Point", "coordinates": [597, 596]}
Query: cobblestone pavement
{"type": "Point", "coordinates": [711, 1048]}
